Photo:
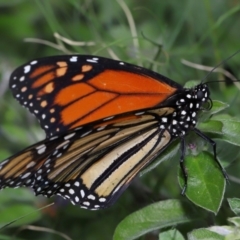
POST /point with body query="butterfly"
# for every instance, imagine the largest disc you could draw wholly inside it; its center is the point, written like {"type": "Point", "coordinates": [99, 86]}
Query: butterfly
{"type": "Point", "coordinates": [104, 121]}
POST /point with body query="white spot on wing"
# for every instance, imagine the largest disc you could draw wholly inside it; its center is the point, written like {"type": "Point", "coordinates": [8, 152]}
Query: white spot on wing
{"type": "Point", "coordinates": [108, 118]}
{"type": "Point", "coordinates": [22, 79]}
{"type": "Point", "coordinates": [27, 68]}
{"type": "Point", "coordinates": [102, 199]}
{"type": "Point", "coordinates": [183, 112]}
{"type": "Point", "coordinates": [82, 193]}
{"type": "Point", "coordinates": [41, 150]}
{"type": "Point", "coordinates": [73, 59]}
{"type": "Point", "coordinates": [59, 155]}
{"type": "Point", "coordinates": [92, 60]}
{"type": "Point", "coordinates": [69, 136]}
{"type": "Point", "coordinates": [86, 203]}
{"type": "Point", "coordinates": [52, 138]}
{"type": "Point", "coordinates": [139, 113]}
{"type": "Point", "coordinates": [164, 119]}
{"type": "Point", "coordinates": [77, 184]}
{"type": "Point", "coordinates": [31, 164]}
{"type": "Point", "coordinates": [91, 197]}
{"type": "Point", "coordinates": [71, 191]}
{"type": "Point", "coordinates": [26, 175]}
{"type": "Point", "coordinates": [41, 146]}
{"type": "Point", "coordinates": [101, 128]}
{"type": "Point", "coordinates": [86, 133]}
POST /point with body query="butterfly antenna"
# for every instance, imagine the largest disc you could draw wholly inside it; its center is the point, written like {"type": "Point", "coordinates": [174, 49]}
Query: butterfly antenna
{"type": "Point", "coordinates": [221, 63]}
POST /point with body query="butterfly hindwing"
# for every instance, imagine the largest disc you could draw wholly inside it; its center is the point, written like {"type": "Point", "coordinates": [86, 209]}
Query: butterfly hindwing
{"type": "Point", "coordinates": [92, 168]}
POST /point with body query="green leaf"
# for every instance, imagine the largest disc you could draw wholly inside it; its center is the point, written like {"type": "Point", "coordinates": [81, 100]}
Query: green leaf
{"type": "Point", "coordinates": [19, 194]}
{"type": "Point", "coordinates": [217, 106]}
{"type": "Point", "coordinates": [228, 232]}
{"type": "Point", "coordinates": [191, 83]}
{"type": "Point", "coordinates": [204, 234]}
{"type": "Point", "coordinates": [15, 212]}
{"type": "Point", "coordinates": [155, 216]}
{"type": "Point", "coordinates": [235, 221]}
{"type": "Point", "coordinates": [230, 129]}
{"type": "Point", "coordinates": [206, 184]}
{"type": "Point", "coordinates": [211, 126]}
{"type": "Point", "coordinates": [226, 152]}
{"type": "Point", "coordinates": [171, 234]}
{"type": "Point", "coordinates": [234, 204]}
{"type": "Point", "coordinates": [222, 230]}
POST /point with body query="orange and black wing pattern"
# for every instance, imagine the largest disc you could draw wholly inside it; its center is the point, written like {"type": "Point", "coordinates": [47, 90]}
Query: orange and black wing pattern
{"type": "Point", "coordinates": [104, 120]}
{"type": "Point", "coordinates": [65, 92]}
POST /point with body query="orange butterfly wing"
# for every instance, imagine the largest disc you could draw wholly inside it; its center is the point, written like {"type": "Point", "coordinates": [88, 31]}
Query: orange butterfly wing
{"type": "Point", "coordinates": [65, 92]}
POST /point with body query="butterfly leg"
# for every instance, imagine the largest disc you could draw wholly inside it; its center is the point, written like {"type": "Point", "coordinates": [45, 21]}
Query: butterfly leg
{"type": "Point", "coordinates": [182, 165]}
{"type": "Point", "coordinates": [210, 141]}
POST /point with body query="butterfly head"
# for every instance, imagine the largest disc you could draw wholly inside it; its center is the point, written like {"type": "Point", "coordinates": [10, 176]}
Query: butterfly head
{"type": "Point", "coordinates": [201, 95]}
{"type": "Point", "coordinates": [201, 92]}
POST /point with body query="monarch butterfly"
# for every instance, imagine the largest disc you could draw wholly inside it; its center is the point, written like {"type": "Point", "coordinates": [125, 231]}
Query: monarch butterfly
{"type": "Point", "coordinates": [104, 121]}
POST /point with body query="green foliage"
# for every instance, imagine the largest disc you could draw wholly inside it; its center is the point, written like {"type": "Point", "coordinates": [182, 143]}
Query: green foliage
{"type": "Point", "coordinates": [158, 215]}
{"type": "Point", "coordinates": [157, 35]}
{"type": "Point", "coordinates": [206, 184]}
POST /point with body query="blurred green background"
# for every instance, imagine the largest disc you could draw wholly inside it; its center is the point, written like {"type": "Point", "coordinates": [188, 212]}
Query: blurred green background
{"type": "Point", "coordinates": [154, 34]}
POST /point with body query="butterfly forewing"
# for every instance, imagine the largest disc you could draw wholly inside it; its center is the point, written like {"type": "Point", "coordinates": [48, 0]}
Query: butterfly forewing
{"type": "Point", "coordinates": [65, 92]}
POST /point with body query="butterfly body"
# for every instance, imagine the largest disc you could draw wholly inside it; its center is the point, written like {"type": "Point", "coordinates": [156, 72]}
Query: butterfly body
{"type": "Point", "coordinates": [104, 120]}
